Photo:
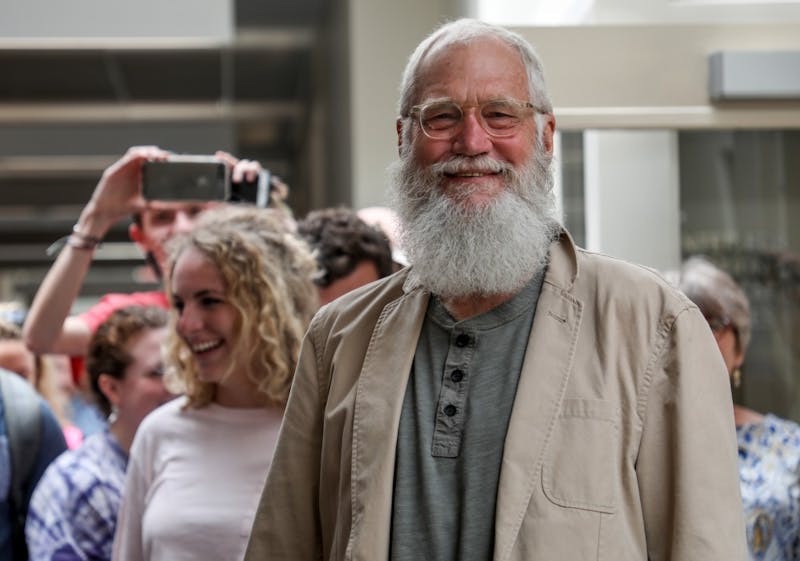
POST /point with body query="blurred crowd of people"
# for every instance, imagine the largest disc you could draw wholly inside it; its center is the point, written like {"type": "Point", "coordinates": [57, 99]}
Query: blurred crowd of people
{"type": "Point", "coordinates": [144, 427]}
{"type": "Point", "coordinates": [242, 283]}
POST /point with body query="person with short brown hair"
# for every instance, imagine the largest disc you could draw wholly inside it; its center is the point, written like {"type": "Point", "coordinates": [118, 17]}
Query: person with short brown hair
{"type": "Point", "coordinates": [350, 252]}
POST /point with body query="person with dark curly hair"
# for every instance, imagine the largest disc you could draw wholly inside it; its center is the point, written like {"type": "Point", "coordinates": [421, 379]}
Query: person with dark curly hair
{"type": "Point", "coordinates": [350, 252]}
{"type": "Point", "coordinates": [73, 511]}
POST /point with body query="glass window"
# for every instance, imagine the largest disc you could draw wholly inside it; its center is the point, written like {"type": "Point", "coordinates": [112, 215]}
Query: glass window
{"type": "Point", "coordinates": [740, 207]}
{"type": "Point", "coordinates": [740, 192]}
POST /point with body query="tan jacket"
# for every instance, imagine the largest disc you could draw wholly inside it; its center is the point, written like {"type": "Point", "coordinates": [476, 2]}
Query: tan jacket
{"type": "Point", "coordinates": [621, 444]}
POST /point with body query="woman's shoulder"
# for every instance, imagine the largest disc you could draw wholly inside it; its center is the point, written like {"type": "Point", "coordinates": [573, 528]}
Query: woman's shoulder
{"type": "Point", "coordinates": [82, 475]}
{"type": "Point", "coordinates": [786, 430]}
{"type": "Point", "coordinates": [775, 436]}
{"type": "Point", "coordinates": [162, 420]}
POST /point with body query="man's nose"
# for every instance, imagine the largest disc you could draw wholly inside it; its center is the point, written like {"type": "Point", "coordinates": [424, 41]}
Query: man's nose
{"type": "Point", "coordinates": [472, 139]}
{"type": "Point", "coordinates": [183, 222]}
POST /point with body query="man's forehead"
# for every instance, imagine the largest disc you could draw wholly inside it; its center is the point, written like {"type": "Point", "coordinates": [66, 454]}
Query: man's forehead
{"type": "Point", "coordinates": [487, 63]}
{"type": "Point", "coordinates": [176, 206]}
{"type": "Point", "coordinates": [444, 50]}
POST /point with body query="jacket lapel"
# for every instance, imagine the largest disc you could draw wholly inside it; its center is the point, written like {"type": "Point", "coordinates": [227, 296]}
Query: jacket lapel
{"type": "Point", "coordinates": [545, 372]}
{"type": "Point", "coordinates": [376, 418]}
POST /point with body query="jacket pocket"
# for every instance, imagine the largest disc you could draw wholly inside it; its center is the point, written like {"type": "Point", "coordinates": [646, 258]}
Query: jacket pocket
{"type": "Point", "coordinates": [580, 465]}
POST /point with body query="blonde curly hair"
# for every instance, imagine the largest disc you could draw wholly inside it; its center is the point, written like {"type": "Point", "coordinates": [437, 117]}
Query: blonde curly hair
{"type": "Point", "coordinates": [267, 272]}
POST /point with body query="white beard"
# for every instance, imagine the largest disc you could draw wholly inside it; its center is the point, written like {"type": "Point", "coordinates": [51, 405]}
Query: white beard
{"type": "Point", "coordinates": [459, 250]}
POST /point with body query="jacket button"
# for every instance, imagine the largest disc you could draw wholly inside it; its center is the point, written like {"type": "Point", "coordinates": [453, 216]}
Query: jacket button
{"type": "Point", "coordinates": [457, 375]}
{"type": "Point", "coordinates": [450, 410]}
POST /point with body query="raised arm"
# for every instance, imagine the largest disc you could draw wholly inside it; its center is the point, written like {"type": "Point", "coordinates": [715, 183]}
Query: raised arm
{"type": "Point", "coordinates": [117, 195]}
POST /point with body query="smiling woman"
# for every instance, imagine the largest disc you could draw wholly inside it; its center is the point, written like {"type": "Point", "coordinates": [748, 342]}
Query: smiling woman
{"type": "Point", "coordinates": [73, 510]}
{"type": "Point", "coordinates": [241, 295]}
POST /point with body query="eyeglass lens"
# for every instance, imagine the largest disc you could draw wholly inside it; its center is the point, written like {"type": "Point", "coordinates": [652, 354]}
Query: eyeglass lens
{"type": "Point", "coordinates": [445, 119]}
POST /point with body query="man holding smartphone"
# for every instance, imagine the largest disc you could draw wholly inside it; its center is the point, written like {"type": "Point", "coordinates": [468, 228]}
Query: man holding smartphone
{"type": "Point", "coordinates": [49, 327]}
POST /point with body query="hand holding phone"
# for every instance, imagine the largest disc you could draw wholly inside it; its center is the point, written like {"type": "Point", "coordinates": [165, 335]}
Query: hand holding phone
{"type": "Point", "coordinates": [201, 178]}
{"type": "Point", "coordinates": [182, 178]}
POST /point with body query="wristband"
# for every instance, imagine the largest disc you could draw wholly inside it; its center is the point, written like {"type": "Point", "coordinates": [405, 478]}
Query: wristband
{"type": "Point", "coordinates": [76, 240]}
{"type": "Point", "coordinates": [85, 240]}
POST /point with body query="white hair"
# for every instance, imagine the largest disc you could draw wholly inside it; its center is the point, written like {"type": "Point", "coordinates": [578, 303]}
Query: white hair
{"type": "Point", "coordinates": [465, 31]}
{"type": "Point", "coordinates": [457, 249]}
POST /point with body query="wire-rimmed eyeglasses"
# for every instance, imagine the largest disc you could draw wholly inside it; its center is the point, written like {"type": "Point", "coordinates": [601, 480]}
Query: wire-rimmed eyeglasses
{"type": "Point", "coordinates": [442, 120]}
{"type": "Point", "coordinates": [719, 324]}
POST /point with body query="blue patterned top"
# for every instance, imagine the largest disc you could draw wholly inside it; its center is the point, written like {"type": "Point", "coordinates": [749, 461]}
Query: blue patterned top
{"type": "Point", "coordinates": [73, 511]}
{"type": "Point", "coordinates": [769, 473]}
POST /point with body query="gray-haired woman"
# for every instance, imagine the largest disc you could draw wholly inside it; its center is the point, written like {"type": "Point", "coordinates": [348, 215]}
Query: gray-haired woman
{"type": "Point", "coordinates": [769, 447]}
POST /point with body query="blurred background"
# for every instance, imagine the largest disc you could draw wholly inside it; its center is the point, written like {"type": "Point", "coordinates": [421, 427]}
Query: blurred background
{"type": "Point", "coordinates": [679, 125]}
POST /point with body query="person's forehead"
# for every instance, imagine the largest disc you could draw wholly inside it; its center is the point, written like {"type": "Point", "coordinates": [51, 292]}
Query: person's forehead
{"type": "Point", "coordinates": [193, 269]}
{"type": "Point", "coordinates": [175, 206]}
{"type": "Point", "coordinates": [486, 63]}
{"type": "Point", "coordinates": [140, 345]}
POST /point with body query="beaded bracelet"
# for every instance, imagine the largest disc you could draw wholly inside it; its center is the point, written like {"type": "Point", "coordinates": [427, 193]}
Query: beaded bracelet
{"type": "Point", "coordinates": [79, 240]}
{"type": "Point", "coordinates": [76, 240]}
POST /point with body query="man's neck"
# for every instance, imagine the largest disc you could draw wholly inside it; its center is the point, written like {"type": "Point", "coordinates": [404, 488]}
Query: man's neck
{"type": "Point", "coordinates": [465, 307]}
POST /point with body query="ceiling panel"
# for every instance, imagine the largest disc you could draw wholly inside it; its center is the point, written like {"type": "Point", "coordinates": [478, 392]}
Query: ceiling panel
{"type": "Point", "coordinates": [69, 109]}
{"type": "Point", "coordinates": [45, 75]}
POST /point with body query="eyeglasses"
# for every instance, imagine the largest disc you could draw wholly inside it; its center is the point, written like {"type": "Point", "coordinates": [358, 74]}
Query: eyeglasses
{"type": "Point", "coordinates": [443, 120]}
{"type": "Point", "coordinates": [719, 324]}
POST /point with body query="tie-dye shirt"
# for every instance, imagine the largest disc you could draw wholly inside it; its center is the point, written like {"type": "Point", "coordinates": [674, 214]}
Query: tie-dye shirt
{"type": "Point", "coordinates": [769, 473]}
{"type": "Point", "coordinates": [73, 511]}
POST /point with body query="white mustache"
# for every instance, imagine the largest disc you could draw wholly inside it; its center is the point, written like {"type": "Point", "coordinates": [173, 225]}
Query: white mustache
{"type": "Point", "coordinates": [463, 164]}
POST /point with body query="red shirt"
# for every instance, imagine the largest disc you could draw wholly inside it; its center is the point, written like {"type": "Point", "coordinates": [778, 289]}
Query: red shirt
{"type": "Point", "coordinates": [107, 305]}
{"type": "Point", "coordinates": [110, 303]}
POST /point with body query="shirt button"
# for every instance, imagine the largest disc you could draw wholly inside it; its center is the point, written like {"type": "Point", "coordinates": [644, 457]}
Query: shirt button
{"type": "Point", "coordinates": [457, 375]}
{"type": "Point", "coordinates": [462, 340]}
{"type": "Point", "coordinates": [450, 410]}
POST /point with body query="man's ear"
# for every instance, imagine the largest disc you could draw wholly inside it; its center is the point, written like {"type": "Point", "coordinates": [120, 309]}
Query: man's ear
{"type": "Point", "coordinates": [548, 131]}
{"type": "Point", "coordinates": [399, 125]}
{"type": "Point", "coordinates": [110, 388]}
{"type": "Point", "coordinates": [136, 234]}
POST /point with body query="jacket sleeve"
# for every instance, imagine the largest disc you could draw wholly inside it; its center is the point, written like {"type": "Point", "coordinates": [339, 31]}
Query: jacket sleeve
{"type": "Point", "coordinates": [687, 466]}
{"type": "Point", "coordinates": [287, 522]}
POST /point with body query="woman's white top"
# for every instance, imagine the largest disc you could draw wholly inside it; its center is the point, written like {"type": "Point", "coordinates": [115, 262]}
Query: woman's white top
{"type": "Point", "coordinates": [194, 480]}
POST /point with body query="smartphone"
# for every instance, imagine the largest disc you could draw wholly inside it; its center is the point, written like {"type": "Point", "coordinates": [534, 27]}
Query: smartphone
{"type": "Point", "coordinates": [181, 178]}
{"type": "Point", "coordinates": [255, 192]}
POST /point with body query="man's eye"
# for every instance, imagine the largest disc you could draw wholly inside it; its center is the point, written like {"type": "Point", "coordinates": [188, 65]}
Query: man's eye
{"type": "Point", "coordinates": [442, 115]}
{"type": "Point", "coordinates": [499, 115]}
{"type": "Point", "coordinates": [163, 217]}
{"type": "Point", "coordinates": [209, 301]}
{"type": "Point", "coordinates": [441, 118]}
{"type": "Point", "coordinates": [194, 210]}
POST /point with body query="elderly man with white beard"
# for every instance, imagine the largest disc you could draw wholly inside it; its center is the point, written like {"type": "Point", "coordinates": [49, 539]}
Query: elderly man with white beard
{"type": "Point", "coordinates": [508, 396]}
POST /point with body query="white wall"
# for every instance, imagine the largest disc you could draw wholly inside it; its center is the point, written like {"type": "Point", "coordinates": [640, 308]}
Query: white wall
{"type": "Point", "coordinates": [382, 35]}
{"type": "Point", "coordinates": [632, 196]}
{"type": "Point", "coordinates": [653, 12]}
{"type": "Point", "coordinates": [40, 20]}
